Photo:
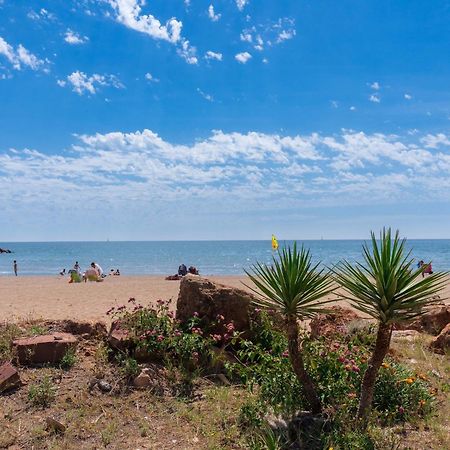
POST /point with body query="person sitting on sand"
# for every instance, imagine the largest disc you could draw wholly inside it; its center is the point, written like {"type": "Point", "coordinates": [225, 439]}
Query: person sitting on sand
{"type": "Point", "coordinates": [182, 270]}
{"type": "Point", "coordinates": [193, 270]}
{"type": "Point", "coordinates": [117, 273]}
{"type": "Point", "coordinates": [99, 270]}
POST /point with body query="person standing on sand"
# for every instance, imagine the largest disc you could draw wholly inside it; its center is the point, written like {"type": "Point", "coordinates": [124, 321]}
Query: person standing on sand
{"type": "Point", "coordinates": [15, 267]}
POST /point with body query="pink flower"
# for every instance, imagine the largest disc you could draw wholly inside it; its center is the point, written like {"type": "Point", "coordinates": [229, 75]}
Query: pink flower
{"type": "Point", "coordinates": [356, 369]}
{"type": "Point", "coordinates": [230, 327]}
{"type": "Point", "coordinates": [178, 333]}
{"type": "Point", "coordinates": [220, 318]}
{"type": "Point", "coordinates": [257, 310]}
{"type": "Point", "coordinates": [160, 338]}
{"type": "Point", "coordinates": [195, 314]}
{"type": "Point", "coordinates": [216, 337]}
{"type": "Point", "coordinates": [170, 314]}
{"type": "Point", "coordinates": [285, 354]}
{"type": "Point", "coordinates": [401, 410]}
{"type": "Point", "coordinates": [341, 359]}
{"type": "Point", "coordinates": [195, 355]}
{"type": "Point", "coordinates": [160, 302]}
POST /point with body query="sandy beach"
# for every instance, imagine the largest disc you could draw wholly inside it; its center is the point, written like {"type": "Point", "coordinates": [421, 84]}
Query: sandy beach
{"type": "Point", "coordinates": [44, 297]}
{"type": "Point", "coordinates": [49, 297]}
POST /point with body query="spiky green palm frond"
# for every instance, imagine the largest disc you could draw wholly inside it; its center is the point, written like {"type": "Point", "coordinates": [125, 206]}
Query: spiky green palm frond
{"type": "Point", "coordinates": [386, 287]}
{"type": "Point", "coordinates": [292, 285]}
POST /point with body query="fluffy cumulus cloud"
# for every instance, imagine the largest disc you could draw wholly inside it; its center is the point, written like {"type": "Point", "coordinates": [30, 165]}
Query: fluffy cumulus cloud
{"type": "Point", "coordinates": [73, 38]}
{"type": "Point", "coordinates": [129, 13]}
{"type": "Point", "coordinates": [19, 57]}
{"type": "Point", "coordinates": [243, 57]}
{"type": "Point", "coordinates": [82, 83]}
{"type": "Point", "coordinates": [143, 170]}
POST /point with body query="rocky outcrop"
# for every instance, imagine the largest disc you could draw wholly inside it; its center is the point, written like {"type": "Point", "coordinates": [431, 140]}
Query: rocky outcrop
{"type": "Point", "coordinates": [9, 377]}
{"type": "Point", "coordinates": [441, 344]}
{"type": "Point", "coordinates": [49, 348]}
{"type": "Point", "coordinates": [118, 337]}
{"type": "Point", "coordinates": [432, 322]}
{"type": "Point", "coordinates": [79, 328]}
{"type": "Point", "coordinates": [333, 323]}
{"type": "Point", "coordinates": [202, 297]}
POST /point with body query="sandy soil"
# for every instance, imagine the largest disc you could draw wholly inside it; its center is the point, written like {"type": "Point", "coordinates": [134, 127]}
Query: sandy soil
{"type": "Point", "coordinates": [23, 298]}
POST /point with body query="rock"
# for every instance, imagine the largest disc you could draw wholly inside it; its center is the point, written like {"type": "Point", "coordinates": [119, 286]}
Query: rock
{"type": "Point", "coordinates": [333, 323]}
{"type": "Point", "coordinates": [9, 377]}
{"type": "Point", "coordinates": [441, 343]}
{"type": "Point", "coordinates": [405, 335]}
{"type": "Point", "coordinates": [84, 329]}
{"type": "Point", "coordinates": [49, 348]}
{"type": "Point", "coordinates": [104, 386]}
{"type": "Point", "coordinates": [143, 380]}
{"type": "Point", "coordinates": [55, 425]}
{"type": "Point", "coordinates": [208, 299]}
{"type": "Point", "coordinates": [432, 322]}
{"type": "Point", "coordinates": [118, 338]}
{"type": "Point", "coordinates": [305, 430]}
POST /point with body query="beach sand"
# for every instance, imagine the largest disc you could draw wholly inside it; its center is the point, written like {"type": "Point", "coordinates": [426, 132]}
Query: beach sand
{"type": "Point", "coordinates": [48, 297]}
{"type": "Point", "coordinates": [41, 297]}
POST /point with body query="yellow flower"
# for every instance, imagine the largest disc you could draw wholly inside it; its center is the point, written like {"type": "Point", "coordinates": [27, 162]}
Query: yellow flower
{"type": "Point", "coordinates": [385, 365]}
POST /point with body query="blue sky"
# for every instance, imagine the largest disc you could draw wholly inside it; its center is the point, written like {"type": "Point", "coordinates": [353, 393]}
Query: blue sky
{"type": "Point", "coordinates": [223, 119]}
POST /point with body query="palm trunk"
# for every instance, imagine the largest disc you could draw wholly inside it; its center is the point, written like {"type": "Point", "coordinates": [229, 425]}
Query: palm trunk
{"type": "Point", "coordinates": [299, 366]}
{"type": "Point", "coordinates": [368, 384]}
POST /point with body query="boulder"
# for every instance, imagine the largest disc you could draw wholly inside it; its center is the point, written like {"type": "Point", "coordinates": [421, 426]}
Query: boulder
{"type": "Point", "coordinates": [208, 299]}
{"type": "Point", "coordinates": [332, 323]}
{"type": "Point", "coordinates": [119, 338]}
{"type": "Point", "coordinates": [9, 377]}
{"type": "Point", "coordinates": [441, 343]}
{"type": "Point", "coordinates": [432, 322]}
{"type": "Point", "coordinates": [49, 348]}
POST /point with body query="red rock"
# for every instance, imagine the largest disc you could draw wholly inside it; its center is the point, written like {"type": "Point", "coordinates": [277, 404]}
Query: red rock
{"type": "Point", "coordinates": [441, 343]}
{"type": "Point", "coordinates": [209, 299]}
{"type": "Point", "coordinates": [9, 377]}
{"type": "Point", "coordinates": [49, 348]}
{"type": "Point", "coordinates": [333, 323]}
{"type": "Point", "coordinates": [91, 329]}
{"type": "Point", "coordinates": [118, 337]}
{"type": "Point", "coordinates": [432, 322]}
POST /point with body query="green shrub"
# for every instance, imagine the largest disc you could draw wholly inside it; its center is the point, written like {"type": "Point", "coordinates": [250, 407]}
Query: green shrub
{"type": "Point", "coordinates": [42, 393]}
{"type": "Point", "coordinates": [69, 359]}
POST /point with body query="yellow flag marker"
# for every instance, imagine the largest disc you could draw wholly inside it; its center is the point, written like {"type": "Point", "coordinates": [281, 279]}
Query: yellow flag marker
{"type": "Point", "coordinates": [274, 243]}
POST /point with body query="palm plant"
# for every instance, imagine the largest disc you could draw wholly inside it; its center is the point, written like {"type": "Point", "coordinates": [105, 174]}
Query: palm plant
{"type": "Point", "coordinates": [389, 290]}
{"type": "Point", "coordinates": [293, 287]}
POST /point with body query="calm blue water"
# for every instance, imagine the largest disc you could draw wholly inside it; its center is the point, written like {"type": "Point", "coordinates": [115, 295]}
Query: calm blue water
{"type": "Point", "coordinates": [211, 257]}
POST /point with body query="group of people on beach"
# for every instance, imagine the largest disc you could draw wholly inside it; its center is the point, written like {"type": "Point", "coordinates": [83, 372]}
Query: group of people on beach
{"type": "Point", "coordinates": [182, 271]}
{"type": "Point", "coordinates": [93, 273]}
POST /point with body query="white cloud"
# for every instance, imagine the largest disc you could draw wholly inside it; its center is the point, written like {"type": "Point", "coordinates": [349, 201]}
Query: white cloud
{"type": "Point", "coordinates": [285, 35]}
{"type": "Point", "coordinates": [243, 57]}
{"type": "Point", "coordinates": [408, 96]}
{"type": "Point", "coordinates": [212, 14]}
{"type": "Point", "coordinates": [187, 52]}
{"type": "Point", "coordinates": [334, 104]}
{"type": "Point", "coordinates": [375, 86]}
{"type": "Point", "coordinates": [208, 97]}
{"type": "Point", "coordinates": [19, 57]}
{"type": "Point", "coordinates": [241, 4]}
{"type": "Point", "coordinates": [374, 98]}
{"type": "Point", "coordinates": [73, 38]}
{"type": "Point", "coordinates": [84, 84]}
{"type": "Point", "coordinates": [213, 55]}
{"type": "Point", "coordinates": [141, 171]}
{"type": "Point", "coordinates": [149, 77]}
{"type": "Point", "coordinates": [42, 14]}
{"type": "Point", "coordinates": [435, 140]}
{"type": "Point", "coordinates": [352, 108]}
{"type": "Point", "coordinates": [128, 12]}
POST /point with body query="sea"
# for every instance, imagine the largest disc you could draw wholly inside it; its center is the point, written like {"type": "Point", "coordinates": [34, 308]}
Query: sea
{"type": "Point", "coordinates": [210, 257]}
